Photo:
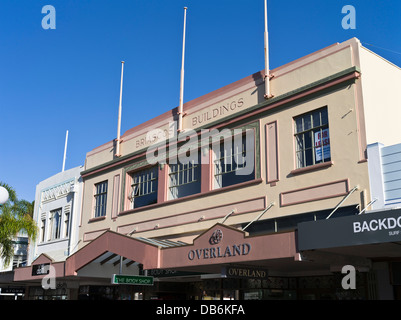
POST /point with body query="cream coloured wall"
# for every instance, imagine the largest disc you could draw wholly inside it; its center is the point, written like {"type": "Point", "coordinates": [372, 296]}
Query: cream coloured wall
{"type": "Point", "coordinates": [381, 82]}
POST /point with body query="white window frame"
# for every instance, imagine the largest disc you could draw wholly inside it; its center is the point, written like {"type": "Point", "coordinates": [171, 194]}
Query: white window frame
{"type": "Point", "coordinates": [43, 230]}
{"type": "Point", "coordinates": [56, 224]}
{"type": "Point", "coordinates": [66, 224]}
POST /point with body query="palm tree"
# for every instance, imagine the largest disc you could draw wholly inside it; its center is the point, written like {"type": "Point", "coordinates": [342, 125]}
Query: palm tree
{"type": "Point", "coordinates": [27, 207]}
{"type": "Point", "coordinates": [15, 216]}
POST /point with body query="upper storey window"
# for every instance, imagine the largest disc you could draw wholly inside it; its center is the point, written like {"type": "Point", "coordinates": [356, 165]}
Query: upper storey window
{"type": "Point", "coordinates": [234, 160]}
{"type": "Point", "coordinates": [56, 224]}
{"type": "Point", "coordinates": [185, 178]}
{"type": "Point", "coordinates": [100, 199]}
{"type": "Point", "coordinates": [144, 187]}
{"type": "Point", "coordinates": [312, 139]}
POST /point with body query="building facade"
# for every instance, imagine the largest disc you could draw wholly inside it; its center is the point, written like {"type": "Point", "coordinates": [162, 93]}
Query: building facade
{"type": "Point", "coordinates": [212, 211]}
{"type": "Point", "coordinates": [58, 202]}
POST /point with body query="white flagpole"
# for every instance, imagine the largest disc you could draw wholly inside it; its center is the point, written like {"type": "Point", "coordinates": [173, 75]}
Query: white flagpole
{"type": "Point", "coordinates": [65, 151]}
{"type": "Point", "coordinates": [180, 110]}
{"type": "Point", "coordinates": [267, 68]}
{"type": "Point", "coordinates": [119, 112]}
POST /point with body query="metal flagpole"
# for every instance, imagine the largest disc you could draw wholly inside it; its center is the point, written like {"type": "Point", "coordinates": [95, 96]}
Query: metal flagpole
{"type": "Point", "coordinates": [119, 112]}
{"type": "Point", "coordinates": [180, 110]}
{"type": "Point", "coordinates": [65, 151]}
{"type": "Point", "coordinates": [267, 68]}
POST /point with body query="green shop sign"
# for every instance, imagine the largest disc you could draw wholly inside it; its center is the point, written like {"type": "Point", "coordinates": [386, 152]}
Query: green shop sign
{"type": "Point", "coordinates": [132, 280]}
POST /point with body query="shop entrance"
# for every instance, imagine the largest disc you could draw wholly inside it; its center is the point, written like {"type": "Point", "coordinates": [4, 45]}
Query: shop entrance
{"type": "Point", "coordinates": [279, 288]}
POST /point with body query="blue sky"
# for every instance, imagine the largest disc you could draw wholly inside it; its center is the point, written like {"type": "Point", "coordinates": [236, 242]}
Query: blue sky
{"type": "Point", "coordinates": [69, 78]}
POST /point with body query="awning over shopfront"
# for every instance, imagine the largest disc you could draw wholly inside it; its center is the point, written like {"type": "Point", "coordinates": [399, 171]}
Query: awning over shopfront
{"type": "Point", "coordinates": [356, 240]}
{"type": "Point", "coordinates": [218, 246]}
{"type": "Point", "coordinates": [222, 245]}
{"type": "Point", "coordinates": [109, 245]}
{"type": "Point", "coordinates": [369, 228]}
{"type": "Point", "coordinates": [40, 268]}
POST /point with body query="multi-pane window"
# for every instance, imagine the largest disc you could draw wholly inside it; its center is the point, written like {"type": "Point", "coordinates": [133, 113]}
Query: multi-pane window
{"type": "Point", "coordinates": [56, 224]}
{"type": "Point", "coordinates": [312, 138]}
{"type": "Point", "coordinates": [184, 178]}
{"type": "Point", "coordinates": [100, 199]}
{"type": "Point", "coordinates": [144, 187]}
{"type": "Point", "coordinates": [234, 161]}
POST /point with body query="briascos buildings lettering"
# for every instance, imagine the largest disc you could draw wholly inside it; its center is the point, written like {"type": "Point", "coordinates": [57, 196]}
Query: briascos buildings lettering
{"type": "Point", "coordinates": [217, 111]}
{"type": "Point", "coordinates": [219, 252]}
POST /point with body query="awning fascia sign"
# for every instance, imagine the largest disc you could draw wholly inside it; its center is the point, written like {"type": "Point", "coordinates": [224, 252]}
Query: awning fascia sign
{"type": "Point", "coordinates": [374, 227]}
{"type": "Point", "coordinates": [241, 272]}
{"type": "Point", "coordinates": [40, 269]}
{"type": "Point", "coordinates": [132, 280]}
{"type": "Point", "coordinates": [223, 244]}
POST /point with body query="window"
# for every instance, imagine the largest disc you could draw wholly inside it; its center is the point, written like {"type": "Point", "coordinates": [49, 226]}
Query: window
{"type": "Point", "coordinates": [234, 161]}
{"type": "Point", "coordinates": [100, 199]}
{"type": "Point", "coordinates": [67, 224]}
{"type": "Point", "coordinates": [144, 187]}
{"type": "Point", "coordinates": [312, 138]}
{"type": "Point", "coordinates": [19, 261]}
{"type": "Point", "coordinates": [184, 178]}
{"type": "Point", "coordinates": [42, 230]}
{"type": "Point", "coordinates": [56, 224]}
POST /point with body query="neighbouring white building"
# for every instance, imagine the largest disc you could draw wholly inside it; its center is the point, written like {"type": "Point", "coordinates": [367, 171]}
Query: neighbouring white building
{"type": "Point", "coordinates": [57, 212]}
{"type": "Point", "coordinates": [20, 253]}
{"type": "Point", "coordinates": [9, 290]}
{"type": "Point", "coordinates": [385, 175]}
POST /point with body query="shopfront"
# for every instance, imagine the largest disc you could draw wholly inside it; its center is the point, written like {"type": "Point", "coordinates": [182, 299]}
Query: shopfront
{"type": "Point", "coordinates": [369, 242]}
{"type": "Point", "coordinates": [222, 263]}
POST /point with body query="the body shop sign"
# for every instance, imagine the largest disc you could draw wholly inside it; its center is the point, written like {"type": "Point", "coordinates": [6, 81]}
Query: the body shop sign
{"type": "Point", "coordinates": [218, 251]}
{"type": "Point", "coordinates": [374, 227]}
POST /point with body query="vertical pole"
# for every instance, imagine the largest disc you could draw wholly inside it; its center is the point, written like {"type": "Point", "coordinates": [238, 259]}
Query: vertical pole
{"type": "Point", "coordinates": [180, 110]}
{"type": "Point", "coordinates": [65, 151]}
{"type": "Point", "coordinates": [267, 68]}
{"type": "Point", "coordinates": [119, 112]}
